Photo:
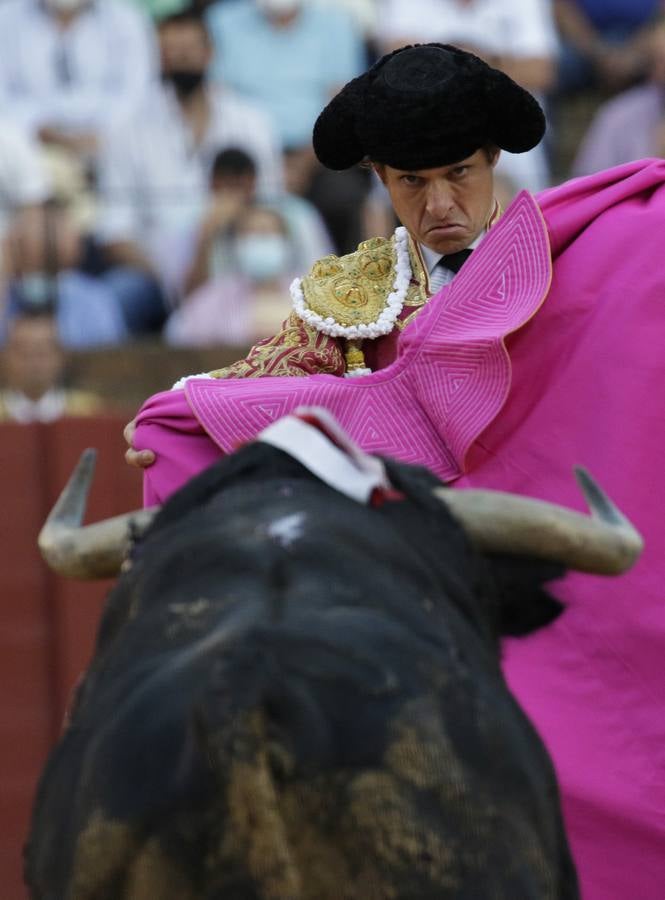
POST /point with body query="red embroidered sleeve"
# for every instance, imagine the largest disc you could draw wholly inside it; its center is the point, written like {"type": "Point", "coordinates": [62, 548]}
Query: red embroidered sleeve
{"type": "Point", "coordinates": [296, 350]}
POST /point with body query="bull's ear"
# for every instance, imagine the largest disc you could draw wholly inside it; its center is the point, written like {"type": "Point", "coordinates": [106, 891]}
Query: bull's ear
{"type": "Point", "coordinates": [521, 600]}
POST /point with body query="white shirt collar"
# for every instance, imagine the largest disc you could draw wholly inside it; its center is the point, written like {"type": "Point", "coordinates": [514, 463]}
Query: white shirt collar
{"type": "Point", "coordinates": [432, 258]}
{"type": "Point", "coordinates": [49, 407]}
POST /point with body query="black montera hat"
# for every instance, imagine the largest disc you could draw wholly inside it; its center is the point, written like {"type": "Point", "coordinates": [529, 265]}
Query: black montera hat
{"type": "Point", "coordinates": [426, 106]}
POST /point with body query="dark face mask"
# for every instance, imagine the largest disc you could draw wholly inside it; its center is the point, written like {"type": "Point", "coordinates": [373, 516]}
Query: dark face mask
{"type": "Point", "coordinates": [184, 81]}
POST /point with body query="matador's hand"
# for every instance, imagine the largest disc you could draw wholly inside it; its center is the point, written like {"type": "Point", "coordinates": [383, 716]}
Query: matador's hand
{"type": "Point", "coordinates": [139, 458]}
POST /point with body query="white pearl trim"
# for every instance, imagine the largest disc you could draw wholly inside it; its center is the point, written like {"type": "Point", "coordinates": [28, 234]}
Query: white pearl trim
{"type": "Point", "coordinates": [385, 323]}
{"type": "Point", "coordinates": [180, 383]}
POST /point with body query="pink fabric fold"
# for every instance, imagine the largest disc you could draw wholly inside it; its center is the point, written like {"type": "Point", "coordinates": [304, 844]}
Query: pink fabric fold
{"type": "Point", "coordinates": [451, 376]}
{"type": "Point", "coordinates": [588, 388]}
{"type": "Point", "coordinates": [494, 387]}
{"type": "Point", "coordinates": [166, 424]}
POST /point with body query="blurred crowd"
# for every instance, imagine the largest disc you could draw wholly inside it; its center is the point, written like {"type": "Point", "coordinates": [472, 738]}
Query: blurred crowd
{"type": "Point", "coordinates": [156, 170]}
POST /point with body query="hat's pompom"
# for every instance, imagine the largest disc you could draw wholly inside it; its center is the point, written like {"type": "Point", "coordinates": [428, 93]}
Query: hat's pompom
{"type": "Point", "coordinates": [517, 122]}
{"type": "Point", "coordinates": [335, 138]}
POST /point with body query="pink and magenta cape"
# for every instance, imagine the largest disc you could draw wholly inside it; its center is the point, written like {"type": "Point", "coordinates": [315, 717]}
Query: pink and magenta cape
{"type": "Point", "coordinates": [547, 351]}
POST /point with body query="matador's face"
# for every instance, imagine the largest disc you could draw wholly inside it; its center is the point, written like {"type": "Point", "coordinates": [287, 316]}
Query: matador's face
{"type": "Point", "coordinates": [445, 208]}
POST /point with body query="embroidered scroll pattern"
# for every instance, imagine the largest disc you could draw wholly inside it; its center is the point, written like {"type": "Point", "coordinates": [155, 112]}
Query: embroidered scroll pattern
{"type": "Point", "coordinates": [295, 350]}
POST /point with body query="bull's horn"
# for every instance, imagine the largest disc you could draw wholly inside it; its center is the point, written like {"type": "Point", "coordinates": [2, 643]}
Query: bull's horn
{"type": "Point", "coordinates": [91, 551]}
{"type": "Point", "coordinates": [604, 543]}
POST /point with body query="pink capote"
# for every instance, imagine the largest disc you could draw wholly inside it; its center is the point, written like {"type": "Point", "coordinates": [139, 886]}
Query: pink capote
{"type": "Point", "coordinates": [506, 381]}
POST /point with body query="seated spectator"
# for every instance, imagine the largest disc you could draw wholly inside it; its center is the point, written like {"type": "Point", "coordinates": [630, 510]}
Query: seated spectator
{"type": "Point", "coordinates": [251, 298]}
{"type": "Point", "coordinates": [288, 56]}
{"type": "Point", "coordinates": [69, 69]}
{"type": "Point", "coordinates": [629, 126]}
{"type": "Point", "coordinates": [602, 42]}
{"type": "Point", "coordinates": [516, 36]}
{"type": "Point", "coordinates": [24, 182]}
{"type": "Point", "coordinates": [43, 251]}
{"type": "Point", "coordinates": [233, 187]}
{"type": "Point", "coordinates": [34, 366]}
{"type": "Point", "coordinates": [291, 57]}
{"type": "Point", "coordinates": [365, 14]}
{"type": "Point", "coordinates": [154, 172]}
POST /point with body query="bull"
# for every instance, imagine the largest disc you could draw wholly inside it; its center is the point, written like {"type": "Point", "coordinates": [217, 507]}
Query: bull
{"type": "Point", "coordinates": [296, 692]}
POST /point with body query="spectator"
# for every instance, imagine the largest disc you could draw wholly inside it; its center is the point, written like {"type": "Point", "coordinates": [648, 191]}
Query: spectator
{"type": "Point", "coordinates": [287, 55]}
{"type": "Point", "coordinates": [23, 179]}
{"type": "Point", "coordinates": [306, 51]}
{"type": "Point", "coordinates": [34, 374]}
{"type": "Point", "coordinates": [630, 125]}
{"type": "Point", "coordinates": [69, 69]}
{"type": "Point", "coordinates": [233, 188]}
{"type": "Point", "coordinates": [340, 197]}
{"type": "Point", "coordinates": [154, 172]}
{"type": "Point", "coordinates": [516, 36]}
{"type": "Point", "coordinates": [43, 252]}
{"type": "Point", "coordinates": [602, 42]}
{"type": "Point", "coordinates": [250, 300]}
{"type": "Point", "coordinates": [365, 14]}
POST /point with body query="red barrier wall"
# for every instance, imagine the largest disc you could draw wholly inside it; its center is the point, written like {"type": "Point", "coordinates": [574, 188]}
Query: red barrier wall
{"type": "Point", "coordinates": [47, 624]}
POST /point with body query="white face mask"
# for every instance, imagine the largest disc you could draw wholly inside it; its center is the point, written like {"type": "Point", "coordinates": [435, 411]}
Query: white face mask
{"type": "Point", "coordinates": [278, 7]}
{"type": "Point", "coordinates": [262, 257]}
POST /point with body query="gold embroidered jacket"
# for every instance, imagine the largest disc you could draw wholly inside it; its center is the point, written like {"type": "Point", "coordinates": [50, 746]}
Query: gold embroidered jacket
{"type": "Point", "coordinates": [348, 290]}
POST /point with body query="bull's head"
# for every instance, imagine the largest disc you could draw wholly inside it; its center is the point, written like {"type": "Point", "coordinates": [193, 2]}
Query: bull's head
{"type": "Point", "coordinates": [603, 543]}
{"type": "Point", "coordinates": [291, 688]}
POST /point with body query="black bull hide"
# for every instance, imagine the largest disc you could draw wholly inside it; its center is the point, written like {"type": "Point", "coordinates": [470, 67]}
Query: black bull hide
{"type": "Point", "coordinates": [297, 697]}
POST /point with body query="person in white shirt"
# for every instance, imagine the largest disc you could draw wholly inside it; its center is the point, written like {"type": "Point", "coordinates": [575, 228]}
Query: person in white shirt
{"type": "Point", "coordinates": [70, 69]}
{"type": "Point", "coordinates": [24, 182]}
{"type": "Point", "coordinates": [516, 36]}
{"type": "Point", "coordinates": [33, 370]}
{"type": "Point", "coordinates": [154, 172]}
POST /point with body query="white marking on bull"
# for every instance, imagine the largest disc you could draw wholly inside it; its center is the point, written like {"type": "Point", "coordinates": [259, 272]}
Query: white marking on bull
{"type": "Point", "coordinates": [287, 529]}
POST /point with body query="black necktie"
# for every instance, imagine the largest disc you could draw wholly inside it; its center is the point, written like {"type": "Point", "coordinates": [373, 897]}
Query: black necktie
{"type": "Point", "coordinates": [440, 273]}
{"type": "Point", "coordinates": [455, 261]}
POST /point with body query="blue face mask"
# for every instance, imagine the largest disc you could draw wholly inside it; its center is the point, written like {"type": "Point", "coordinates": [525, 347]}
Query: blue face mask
{"type": "Point", "coordinates": [38, 290]}
{"type": "Point", "coordinates": [262, 257]}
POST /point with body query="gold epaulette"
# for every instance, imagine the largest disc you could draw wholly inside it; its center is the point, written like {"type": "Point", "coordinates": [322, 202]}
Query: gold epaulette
{"type": "Point", "coordinates": [352, 289]}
